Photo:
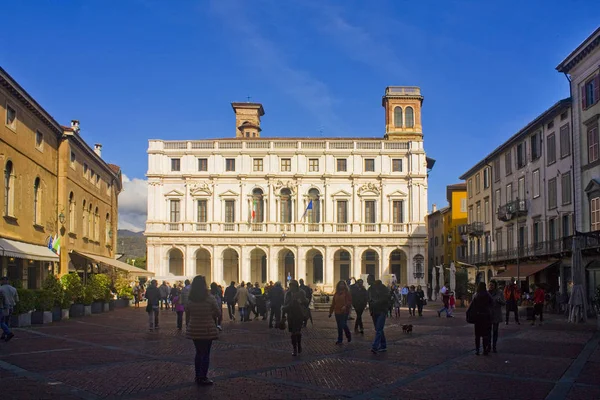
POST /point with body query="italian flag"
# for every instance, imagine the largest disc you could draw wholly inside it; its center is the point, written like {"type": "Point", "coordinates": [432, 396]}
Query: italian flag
{"type": "Point", "coordinates": [254, 208]}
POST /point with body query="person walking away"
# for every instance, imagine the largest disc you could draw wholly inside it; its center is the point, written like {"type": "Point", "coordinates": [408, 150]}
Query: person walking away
{"type": "Point", "coordinates": [250, 305]}
{"type": "Point", "coordinates": [340, 306]}
{"type": "Point", "coordinates": [179, 309]}
{"type": "Point", "coordinates": [451, 304]}
{"type": "Point", "coordinates": [482, 309]}
{"type": "Point", "coordinates": [360, 298]}
{"type": "Point", "coordinates": [308, 292]}
{"type": "Point", "coordinates": [294, 307]}
{"type": "Point", "coordinates": [185, 294]}
{"type": "Point", "coordinates": [498, 301]}
{"type": "Point", "coordinates": [404, 294]}
{"type": "Point", "coordinates": [4, 311]}
{"type": "Point", "coordinates": [379, 301]}
{"type": "Point", "coordinates": [276, 299]}
{"type": "Point", "coordinates": [136, 295]}
{"type": "Point", "coordinates": [163, 294]}
{"type": "Point", "coordinates": [512, 294]}
{"type": "Point", "coordinates": [202, 331]}
{"type": "Point", "coordinates": [174, 292]}
{"type": "Point", "coordinates": [350, 285]}
{"type": "Point", "coordinates": [411, 300]}
{"type": "Point", "coordinates": [396, 302]}
{"type": "Point", "coordinates": [11, 298]}
{"type": "Point", "coordinates": [446, 301]}
{"type": "Point", "coordinates": [241, 298]}
{"type": "Point", "coordinates": [257, 294]}
{"type": "Point", "coordinates": [153, 296]}
{"type": "Point", "coordinates": [216, 293]}
{"type": "Point", "coordinates": [230, 294]}
{"type": "Point", "coordinates": [539, 296]}
{"type": "Point", "coordinates": [420, 299]}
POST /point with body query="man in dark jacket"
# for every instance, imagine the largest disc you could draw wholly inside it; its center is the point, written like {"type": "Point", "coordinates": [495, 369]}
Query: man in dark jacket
{"type": "Point", "coordinates": [379, 301]}
{"type": "Point", "coordinates": [257, 293]}
{"type": "Point", "coordinates": [153, 296]}
{"type": "Point", "coordinates": [309, 293]}
{"type": "Point", "coordinates": [360, 298]}
{"type": "Point", "coordinates": [230, 293]}
{"type": "Point", "coordinates": [276, 297]}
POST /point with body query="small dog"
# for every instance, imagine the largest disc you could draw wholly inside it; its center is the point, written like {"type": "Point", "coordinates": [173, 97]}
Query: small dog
{"type": "Point", "coordinates": [407, 328]}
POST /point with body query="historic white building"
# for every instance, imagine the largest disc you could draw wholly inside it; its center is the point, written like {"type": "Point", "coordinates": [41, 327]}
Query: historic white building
{"type": "Point", "coordinates": [257, 209]}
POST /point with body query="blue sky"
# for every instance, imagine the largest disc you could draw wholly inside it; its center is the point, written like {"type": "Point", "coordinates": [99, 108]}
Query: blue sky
{"type": "Point", "coordinates": [135, 70]}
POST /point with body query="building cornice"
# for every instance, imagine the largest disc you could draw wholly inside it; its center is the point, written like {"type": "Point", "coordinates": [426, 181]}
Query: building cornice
{"type": "Point", "coordinates": [577, 55]}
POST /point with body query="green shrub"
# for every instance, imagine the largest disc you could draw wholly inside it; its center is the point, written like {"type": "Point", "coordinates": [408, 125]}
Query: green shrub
{"type": "Point", "coordinates": [73, 287]}
{"type": "Point", "coordinates": [99, 285]}
{"type": "Point", "coordinates": [65, 301]}
{"type": "Point", "coordinates": [88, 295]}
{"type": "Point", "coordinates": [26, 301]}
{"type": "Point", "coordinates": [54, 287]}
{"type": "Point", "coordinates": [124, 289]}
{"type": "Point", "coordinates": [43, 300]}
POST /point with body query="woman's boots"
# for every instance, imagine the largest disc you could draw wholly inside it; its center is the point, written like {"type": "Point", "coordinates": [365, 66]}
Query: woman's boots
{"type": "Point", "coordinates": [296, 343]}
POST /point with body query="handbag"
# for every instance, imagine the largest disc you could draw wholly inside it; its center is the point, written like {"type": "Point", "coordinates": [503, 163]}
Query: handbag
{"type": "Point", "coordinates": [282, 323]}
{"type": "Point", "coordinates": [424, 302]}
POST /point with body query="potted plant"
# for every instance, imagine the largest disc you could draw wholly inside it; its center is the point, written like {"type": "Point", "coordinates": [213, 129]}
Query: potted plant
{"type": "Point", "coordinates": [74, 294]}
{"type": "Point", "coordinates": [65, 305]}
{"type": "Point", "coordinates": [124, 291]}
{"type": "Point", "coordinates": [43, 305]}
{"type": "Point", "coordinates": [88, 299]}
{"type": "Point", "coordinates": [22, 313]}
{"type": "Point", "coordinates": [100, 287]}
{"type": "Point", "coordinates": [53, 286]}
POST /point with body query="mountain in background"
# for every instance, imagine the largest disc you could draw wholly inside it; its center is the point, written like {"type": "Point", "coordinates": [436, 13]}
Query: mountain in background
{"type": "Point", "coordinates": [131, 244]}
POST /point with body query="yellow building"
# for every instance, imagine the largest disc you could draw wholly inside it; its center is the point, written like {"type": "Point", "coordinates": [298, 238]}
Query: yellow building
{"type": "Point", "coordinates": [455, 221]}
{"type": "Point", "coordinates": [54, 186]}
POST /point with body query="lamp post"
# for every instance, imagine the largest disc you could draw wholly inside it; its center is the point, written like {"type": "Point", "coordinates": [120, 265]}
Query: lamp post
{"type": "Point", "coordinates": [61, 218]}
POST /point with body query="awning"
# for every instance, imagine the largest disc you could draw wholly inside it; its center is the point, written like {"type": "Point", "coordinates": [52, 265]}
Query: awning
{"type": "Point", "coordinates": [12, 248]}
{"type": "Point", "coordinates": [525, 270]}
{"type": "Point", "coordinates": [115, 263]}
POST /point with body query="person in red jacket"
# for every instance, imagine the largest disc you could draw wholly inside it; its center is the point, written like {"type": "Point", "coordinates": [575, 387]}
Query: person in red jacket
{"type": "Point", "coordinates": [341, 304]}
{"type": "Point", "coordinates": [512, 294]}
{"type": "Point", "coordinates": [538, 303]}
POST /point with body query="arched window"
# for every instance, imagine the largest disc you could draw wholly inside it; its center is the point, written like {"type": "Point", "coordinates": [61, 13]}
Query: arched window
{"type": "Point", "coordinates": [90, 228]}
{"type": "Point", "coordinates": [36, 201]}
{"type": "Point", "coordinates": [108, 227]}
{"type": "Point", "coordinates": [418, 266]}
{"type": "Point", "coordinates": [84, 220]}
{"type": "Point", "coordinates": [96, 225]}
{"type": "Point", "coordinates": [257, 214]}
{"type": "Point", "coordinates": [314, 215]}
{"type": "Point", "coordinates": [398, 117]}
{"type": "Point", "coordinates": [9, 190]}
{"type": "Point", "coordinates": [410, 117]}
{"type": "Point", "coordinates": [71, 212]}
{"type": "Point", "coordinates": [286, 205]}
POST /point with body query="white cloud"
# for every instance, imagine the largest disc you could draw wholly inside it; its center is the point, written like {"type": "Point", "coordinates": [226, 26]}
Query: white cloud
{"type": "Point", "coordinates": [133, 204]}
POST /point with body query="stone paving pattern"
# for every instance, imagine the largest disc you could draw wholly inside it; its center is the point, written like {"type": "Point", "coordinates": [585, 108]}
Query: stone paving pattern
{"type": "Point", "coordinates": [114, 356]}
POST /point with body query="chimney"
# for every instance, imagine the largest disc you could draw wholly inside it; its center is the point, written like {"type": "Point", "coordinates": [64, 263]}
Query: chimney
{"type": "Point", "coordinates": [75, 125]}
{"type": "Point", "coordinates": [98, 149]}
{"type": "Point", "coordinates": [433, 208]}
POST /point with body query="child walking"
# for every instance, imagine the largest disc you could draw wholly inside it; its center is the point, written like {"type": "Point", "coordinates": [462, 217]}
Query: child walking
{"type": "Point", "coordinates": [179, 309]}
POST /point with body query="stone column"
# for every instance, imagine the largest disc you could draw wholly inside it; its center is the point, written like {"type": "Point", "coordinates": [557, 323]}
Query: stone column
{"type": "Point", "coordinates": [301, 263]}
{"type": "Point", "coordinates": [245, 262]}
{"type": "Point", "coordinates": [272, 264]}
{"type": "Point", "coordinates": [217, 265]}
{"type": "Point", "coordinates": [328, 265]}
{"type": "Point", "coordinates": [356, 262]}
{"type": "Point", "coordinates": [189, 266]}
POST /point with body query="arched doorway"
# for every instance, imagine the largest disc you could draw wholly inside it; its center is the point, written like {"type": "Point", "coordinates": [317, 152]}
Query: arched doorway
{"type": "Point", "coordinates": [398, 266]}
{"type": "Point", "coordinates": [370, 263]}
{"type": "Point", "coordinates": [314, 268]}
{"type": "Point", "coordinates": [231, 266]}
{"type": "Point", "coordinates": [286, 266]}
{"type": "Point", "coordinates": [203, 264]}
{"type": "Point", "coordinates": [258, 266]}
{"type": "Point", "coordinates": [175, 262]}
{"type": "Point", "coordinates": [342, 266]}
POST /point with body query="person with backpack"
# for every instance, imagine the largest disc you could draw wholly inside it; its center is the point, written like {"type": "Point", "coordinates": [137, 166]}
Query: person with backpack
{"type": "Point", "coordinates": [498, 301]}
{"type": "Point", "coordinates": [295, 307]}
{"type": "Point", "coordinates": [216, 293]}
{"type": "Point", "coordinates": [153, 296]}
{"type": "Point", "coordinates": [179, 309]}
{"type": "Point", "coordinates": [512, 294]}
{"type": "Point", "coordinates": [308, 292]}
{"type": "Point", "coordinates": [538, 304]}
{"type": "Point", "coordinates": [480, 314]}
{"type": "Point", "coordinates": [230, 294]}
{"type": "Point", "coordinates": [340, 305]}
{"type": "Point", "coordinates": [360, 299]}
{"type": "Point", "coordinates": [379, 303]}
{"type": "Point", "coordinates": [276, 298]}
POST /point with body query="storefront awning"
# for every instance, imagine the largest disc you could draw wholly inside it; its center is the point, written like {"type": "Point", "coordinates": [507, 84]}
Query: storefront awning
{"type": "Point", "coordinates": [115, 263]}
{"type": "Point", "coordinates": [12, 248]}
{"type": "Point", "coordinates": [525, 270]}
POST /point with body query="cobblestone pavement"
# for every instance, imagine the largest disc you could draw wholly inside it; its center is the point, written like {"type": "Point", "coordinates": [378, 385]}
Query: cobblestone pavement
{"type": "Point", "coordinates": [113, 355]}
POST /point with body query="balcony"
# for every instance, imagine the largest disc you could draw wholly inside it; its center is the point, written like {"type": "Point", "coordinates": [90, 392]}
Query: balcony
{"type": "Point", "coordinates": [475, 229]}
{"type": "Point", "coordinates": [513, 209]}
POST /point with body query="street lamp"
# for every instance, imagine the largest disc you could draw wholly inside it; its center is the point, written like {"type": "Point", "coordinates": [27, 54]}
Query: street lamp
{"type": "Point", "coordinates": [110, 234]}
{"type": "Point", "coordinates": [61, 218]}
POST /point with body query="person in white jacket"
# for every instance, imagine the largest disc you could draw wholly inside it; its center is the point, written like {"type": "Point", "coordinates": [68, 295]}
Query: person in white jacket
{"type": "Point", "coordinates": [9, 299]}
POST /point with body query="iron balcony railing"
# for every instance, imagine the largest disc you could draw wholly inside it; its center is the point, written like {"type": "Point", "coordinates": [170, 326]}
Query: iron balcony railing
{"type": "Point", "coordinates": [540, 249]}
{"type": "Point", "coordinates": [513, 209]}
{"type": "Point", "coordinates": [475, 228]}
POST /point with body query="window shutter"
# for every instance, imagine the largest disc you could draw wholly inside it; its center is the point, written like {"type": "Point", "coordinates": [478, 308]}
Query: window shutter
{"type": "Point", "coordinates": [583, 96]}
{"type": "Point", "coordinates": [596, 88]}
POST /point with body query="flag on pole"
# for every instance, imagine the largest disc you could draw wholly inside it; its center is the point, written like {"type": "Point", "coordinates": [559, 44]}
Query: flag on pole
{"type": "Point", "coordinates": [308, 207]}
{"type": "Point", "coordinates": [50, 242]}
{"type": "Point", "coordinates": [254, 208]}
{"type": "Point", "coordinates": [56, 246]}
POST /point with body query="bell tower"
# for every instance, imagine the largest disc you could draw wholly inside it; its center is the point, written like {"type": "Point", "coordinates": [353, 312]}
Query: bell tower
{"type": "Point", "coordinates": [247, 119]}
{"type": "Point", "coordinates": [403, 113]}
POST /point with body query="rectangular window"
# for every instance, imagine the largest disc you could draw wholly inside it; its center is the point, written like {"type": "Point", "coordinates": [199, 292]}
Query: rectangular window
{"type": "Point", "coordinates": [470, 220]}
{"type": "Point", "coordinates": [536, 146]}
{"type": "Point", "coordinates": [508, 163]}
{"type": "Point", "coordinates": [230, 164]}
{"type": "Point", "coordinates": [203, 164]}
{"type": "Point", "coordinates": [536, 183]}
{"type": "Point", "coordinates": [202, 211]}
{"type": "Point", "coordinates": [486, 178]}
{"type": "Point", "coordinates": [286, 165]}
{"type": "Point", "coordinates": [397, 165]}
{"type": "Point", "coordinates": [509, 193]}
{"type": "Point", "coordinates": [551, 149]}
{"type": "Point", "coordinates": [497, 170]}
{"type": "Point", "coordinates": [590, 92]}
{"type": "Point", "coordinates": [85, 171]}
{"type": "Point", "coordinates": [498, 199]}
{"type": "Point", "coordinates": [565, 141]}
{"type": "Point", "coordinates": [230, 211]}
{"type": "Point", "coordinates": [564, 115]}
{"type": "Point", "coordinates": [342, 211]}
{"type": "Point", "coordinates": [73, 158]}
{"type": "Point", "coordinates": [486, 211]}
{"type": "Point", "coordinates": [552, 193]}
{"type": "Point", "coordinates": [341, 165]}
{"type": "Point", "coordinates": [521, 154]}
{"type": "Point", "coordinates": [510, 237]}
{"type": "Point", "coordinates": [470, 187]}
{"type": "Point", "coordinates": [566, 225]}
{"type": "Point", "coordinates": [370, 211]}
{"type": "Point", "coordinates": [175, 164]}
{"type": "Point", "coordinates": [552, 230]}
{"type": "Point", "coordinates": [175, 209]}
{"type": "Point", "coordinates": [257, 164]}
{"type": "Point", "coordinates": [369, 165]}
{"type": "Point", "coordinates": [39, 140]}
{"type": "Point", "coordinates": [595, 214]}
{"type": "Point", "coordinates": [11, 117]}
{"type": "Point", "coordinates": [477, 183]}
{"type": "Point", "coordinates": [521, 189]}
{"type": "Point", "coordinates": [499, 240]}
{"type": "Point", "coordinates": [478, 212]}
{"type": "Point", "coordinates": [565, 188]}
{"type": "Point", "coordinates": [463, 205]}
{"type": "Point", "coordinates": [550, 125]}
{"type": "Point", "coordinates": [398, 211]}
{"type": "Point", "coordinates": [537, 233]}
{"type": "Point", "coordinates": [592, 137]}
{"type": "Point", "coordinates": [313, 165]}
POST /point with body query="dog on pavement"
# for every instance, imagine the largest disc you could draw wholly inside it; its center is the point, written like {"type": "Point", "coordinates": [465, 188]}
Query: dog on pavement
{"type": "Point", "coordinates": [407, 328]}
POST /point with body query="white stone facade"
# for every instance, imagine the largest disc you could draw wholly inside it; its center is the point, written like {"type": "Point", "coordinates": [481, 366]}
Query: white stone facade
{"type": "Point", "coordinates": [214, 232]}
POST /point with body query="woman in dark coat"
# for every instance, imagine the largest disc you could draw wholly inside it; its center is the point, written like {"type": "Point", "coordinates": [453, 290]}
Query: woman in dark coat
{"type": "Point", "coordinates": [420, 300]}
{"type": "Point", "coordinates": [295, 307]}
{"type": "Point", "coordinates": [482, 309]}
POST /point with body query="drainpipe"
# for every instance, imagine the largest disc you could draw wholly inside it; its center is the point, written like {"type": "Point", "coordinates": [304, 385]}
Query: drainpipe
{"type": "Point", "coordinates": [563, 286]}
